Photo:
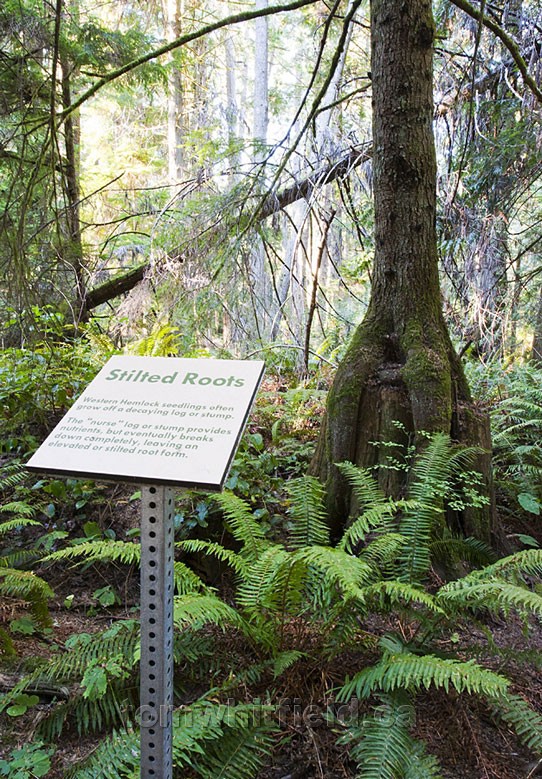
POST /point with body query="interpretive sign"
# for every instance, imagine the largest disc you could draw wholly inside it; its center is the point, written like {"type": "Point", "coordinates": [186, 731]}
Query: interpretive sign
{"type": "Point", "coordinates": [157, 420]}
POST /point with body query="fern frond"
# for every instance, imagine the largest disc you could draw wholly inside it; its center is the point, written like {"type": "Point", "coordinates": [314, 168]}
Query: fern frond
{"type": "Point", "coordinates": [527, 723]}
{"type": "Point", "coordinates": [235, 561]}
{"type": "Point", "coordinates": [114, 758]}
{"type": "Point", "coordinates": [186, 581]}
{"type": "Point", "coordinates": [431, 474]}
{"type": "Point", "coordinates": [454, 548]}
{"type": "Point", "coordinates": [421, 765]}
{"type": "Point", "coordinates": [88, 716]}
{"type": "Point", "coordinates": [242, 524]}
{"type": "Point", "coordinates": [261, 587]}
{"type": "Point", "coordinates": [417, 527]}
{"type": "Point", "coordinates": [431, 470]}
{"type": "Point", "coordinates": [121, 638]}
{"type": "Point", "coordinates": [365, 487]}
{"type": "Point", "coordinates": [379, 518]}
{"type": "Point", "coordinates": [401, 593]}
{"type": "Point", "coordinates": [340, 569]}
{"type": "Point", "coordinates": [285, 660]}
{"type": "Point", "coordinates": [239, 754]}
{"type": "Point", "coordinates": [383, 551]}
{"type": "Point", "coordinates": [19, 558]}
{"type": "Point", "coordinates": [99, 551]}
{"type": "Point", "coordinates": [13, 474]}
{"type": "Point", "coordinates": [20, 508]}
{"type": "Point", "coordinates": [412, 672]}
{"type": "Point", "coordinates": [383, 747]}
{"type": "Point", "coordinates": [495, 596]}
{"type": "Point", "coordinates": [29, 587]}
{"type": "Point", "coordinates": [308, 512]}
{"type": "Point", "coordinates": [525, 562]}
{"type": "Point", "coordinates": [196, 610]}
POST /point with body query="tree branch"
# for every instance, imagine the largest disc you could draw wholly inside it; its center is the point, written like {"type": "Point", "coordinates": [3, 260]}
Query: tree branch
{"type": "Point", "coordinates": [246, 16]}
{"type": "Point", "coordinates": [506, 40]}
{"type": "Point", "coordinates": [271, 205]}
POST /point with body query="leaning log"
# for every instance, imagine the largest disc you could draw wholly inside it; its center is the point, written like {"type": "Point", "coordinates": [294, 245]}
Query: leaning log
{"type": "Point", "coordinates": [272, 204]}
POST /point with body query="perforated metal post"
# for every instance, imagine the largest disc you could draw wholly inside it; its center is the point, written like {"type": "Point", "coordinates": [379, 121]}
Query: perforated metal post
{"type": "Point", "coordinates": [156, 688]}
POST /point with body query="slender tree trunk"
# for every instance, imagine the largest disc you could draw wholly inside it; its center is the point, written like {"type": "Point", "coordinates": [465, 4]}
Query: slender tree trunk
{"type": "Point", "coordinates": [261, 80]}
{"type": "Point", "coordinates": [536, 354]}
{"type": "Point", "coordinates": [173, 14]}
{"type": "Point", "coordinates": [400, 365]}
{"type": "Point", "coordinates": [74, 248]}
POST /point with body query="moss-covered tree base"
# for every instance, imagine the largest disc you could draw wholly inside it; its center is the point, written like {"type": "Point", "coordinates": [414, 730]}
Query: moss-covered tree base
{"type": "Point", "coordinates": [390, 389]}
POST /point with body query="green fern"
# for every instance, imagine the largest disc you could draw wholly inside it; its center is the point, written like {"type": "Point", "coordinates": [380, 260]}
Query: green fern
{"type": "Point", "coordinates": [380, 519]}
{"type": "Point", "coordinates": [89, 716]}
{"type": "Point", "coordinates": [214, 549]}
{"type": "Point", "coordinates": [413, 672]}
{"type": "Point", "coordinates": [244, 527]}
{"type": "Point", "coordinates": [515, 711]}
{"type": "Point", "coordinates": [382, 552]}
{"type": "Point", "coordinates": [83, 650]}
{"type": "Point", "coordinates": [366, 490]}
{"type": "Point", "coordinates": [163, 341]}
{"type": "Point", "coordinates": [115, 757]}
{"type": "Point", "coordinates": [24, 512]}
{"type": "Point", "coordinates": [99, 551]}
{"type": "Point", "coordinates": [262, 585]}
{"type": "Point", "coordinates": [495, 596]}
{"type": "Point", "coordinates": [196, 610]}
{"type": "Point", "coordinates": [13, 474]}
{"type": "Point", "coordinates": [29, 587]}
{"type": "Point", "coordinates": [339, 569]}
{"type": "Point", "coordinates": [382, 745]}
{"type": "Point", "coordinates": [239, 754]}
{"type": "Point", "coordinates": [527, 562]}
{"type": "Point", "coordinates": [451, 548]}
{"type": "Point", "coordinates": [215, 740]}
{"type": "Point", "coordinates": [389, 594]}
{"type": "Point", "coordinates": [430, 482]}
{"type": "Point", "coordinates": [307, 512]}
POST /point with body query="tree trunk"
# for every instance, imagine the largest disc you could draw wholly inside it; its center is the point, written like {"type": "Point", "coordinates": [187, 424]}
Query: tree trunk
{"type": "Point", "coordinates": [73, 254]}
{"type": "Point", "coordinates": [175, 109]}
{"type": "Point", "coordinates": [536, 354]}
{"type": "Point", "coordinates": [400, 364]}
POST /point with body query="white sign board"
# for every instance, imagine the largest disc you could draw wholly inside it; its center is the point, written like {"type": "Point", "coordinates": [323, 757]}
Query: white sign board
{"type": "Point", "coordinates": [155, 420]}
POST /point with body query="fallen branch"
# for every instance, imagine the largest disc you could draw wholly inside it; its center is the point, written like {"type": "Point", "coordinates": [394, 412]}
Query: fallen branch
{"type": "Point", "coordinates": [271, 205]}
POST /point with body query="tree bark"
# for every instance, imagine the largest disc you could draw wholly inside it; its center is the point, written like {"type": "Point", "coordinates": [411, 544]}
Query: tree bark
{"type": "Point", "coordinates": [400, 365]}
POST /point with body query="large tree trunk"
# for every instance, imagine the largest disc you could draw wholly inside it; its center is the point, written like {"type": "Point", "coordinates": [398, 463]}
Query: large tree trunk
{"type": "Point", "coordinates": [400, 364]}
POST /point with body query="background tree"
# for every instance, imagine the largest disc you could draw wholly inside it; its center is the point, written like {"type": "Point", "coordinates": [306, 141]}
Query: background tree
{"type": "Point", "coordinates": [400, 365]}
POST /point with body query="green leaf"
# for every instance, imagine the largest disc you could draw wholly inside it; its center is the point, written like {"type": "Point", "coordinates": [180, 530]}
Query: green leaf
{"type": "Point", "coordinates": [23, 625]}
{"type": "Point", "coordinates": [16, 710]}
{"type": "Point", "coordinates": [92, 530]}
{"type": "Point", "coordinates": [95, 682]}
{"type": "Point", "coordinates": [529, 503]}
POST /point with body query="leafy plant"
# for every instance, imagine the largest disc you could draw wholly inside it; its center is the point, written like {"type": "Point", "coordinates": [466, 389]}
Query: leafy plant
{"type": "Point", "coordinates": [517, 428]}
{"type": "Point", "coordinates": [382, 564]}
{"type": "Point", "coordinates": [28, 761]}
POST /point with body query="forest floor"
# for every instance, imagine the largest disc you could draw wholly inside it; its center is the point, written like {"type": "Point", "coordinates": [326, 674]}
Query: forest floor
{"type": "Point", "coordinates": [458, 729]}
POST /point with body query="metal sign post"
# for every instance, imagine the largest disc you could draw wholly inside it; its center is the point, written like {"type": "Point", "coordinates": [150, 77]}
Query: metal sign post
{"type": "Point", "coordinates": [162, 421]}
{"type": "Point", "coordinates": [156, 666]}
